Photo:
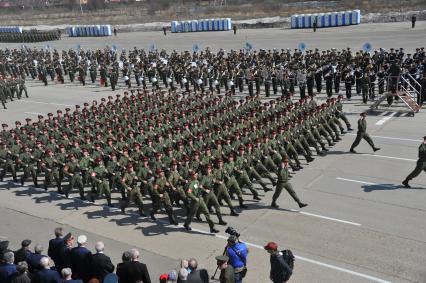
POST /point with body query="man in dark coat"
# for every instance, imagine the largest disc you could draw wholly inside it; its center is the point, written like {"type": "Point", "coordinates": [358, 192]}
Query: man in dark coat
{"type": "Point", "coordinates": [80, 259]}
{"type": "Point", "coordinates": [101, 264]}
{"type": "Point", "coordinates": [133, 271]}
{"type": "Point", "coordinates": [23, 253]}
{"type": "Point", "coordinates": [46, 275]}
{"type": "Point", "coordinates": [280, 271]}
{"type": "Point", "coordinates": [55, 244]}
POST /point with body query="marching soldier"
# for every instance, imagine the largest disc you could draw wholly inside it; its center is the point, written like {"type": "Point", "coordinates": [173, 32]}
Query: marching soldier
{"type": "Point", "coordinates": [362, 134]}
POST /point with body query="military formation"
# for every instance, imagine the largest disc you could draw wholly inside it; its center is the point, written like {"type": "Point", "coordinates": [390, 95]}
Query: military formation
{"type": "Point", "coordinates": [12, 88]}
{"type": "Point", "coordinates": [268, 72]}
{"type": "Point", "coordinates": [31, 36]}
{"type": "Point", "coordinates": [195, 150]}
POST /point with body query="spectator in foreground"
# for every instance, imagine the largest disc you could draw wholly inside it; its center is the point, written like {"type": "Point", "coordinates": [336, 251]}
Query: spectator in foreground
{"type": "Point", "coordinates": [67, 276]}
{"type": "Point", "coordinates": [227, 272]}
{"type": "Point", "coordinates": [279, 267]}
{"type": "Point", "coordinates": [64, 258]}
{"type": "Point", "coordinates": [23, 253]}
{"type": "Point", "coordinates": [133, 271]}
{"type": "Point", "coordinates": [33, 259]}
{"type": "Point", "coordinates": [56, 244]}
{"type": "Point", "coordinates": [7, 268]}
{"type": "Point", "coordinates": [46, 275]}
{"type": "Point", "coordinates": [22, 276]}
{"type": "Point", "coordinates": [80, 258]}
{"type": "Point", "coordinates": [197, 275]}
{"type": "Point", "coordinates": [101, 264]}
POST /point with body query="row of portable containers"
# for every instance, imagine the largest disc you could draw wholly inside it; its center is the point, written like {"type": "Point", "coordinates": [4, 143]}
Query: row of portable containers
{"type": "Point", "coordinates": [333, 19]}
{"type": "Point", "coordinates": [96, 30]}
{"type": "Point", "coordinates": [202, 25]}
{"type": "Point", "coordinates": [10, 29]}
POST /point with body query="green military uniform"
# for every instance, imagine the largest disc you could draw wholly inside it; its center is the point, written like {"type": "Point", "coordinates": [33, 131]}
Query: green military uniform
{"type": "Point", "coordinates": [160, 195]}
{"type": "Point", "coordinates": [195, 195]}
{"type": "Point", "coordinates": [421, 164]}
{"type": "Point", "coordinates": [129, 183]}
{"type": "Point", "coordinates": [100, 179]}
{"type": "Point", "coordinates": [362, 134]}
{"type": "Point", "coordinates": [207, 183]}
{"type": "Point", "coordinates": [26, 161]}
{"type": "Point", "coordinates": [283, 183]}
{"type": "Point", "coordinates": [73, 172]}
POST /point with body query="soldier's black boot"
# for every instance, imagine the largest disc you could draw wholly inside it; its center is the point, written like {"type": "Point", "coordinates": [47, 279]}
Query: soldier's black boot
{"type": "Point", "coordinates": [172, 218]}
{"type": "Point", "coordinates": [301, 204]}
{"type": "Point", "coordinates": [212, 229]}
{"type": "Point", "coordinates": [45, 187]}
{"type": "Point", "coordinates": [82, 197]}
{"type": "Point", "coordinates": [109, 201]}
{"type": "Point", "coordinates": [187, 227]}
{"type": "Point", "coordinates": [256, 197]}
{"type": "Point", "coordinates": [152, 215]}
{"type": "Point", "coordinates": [352, 150]}
{"type": "Point", "coordinates": [221, 222]}
{"type": "Point", "coordinates": [405, 183]}
{"type": "Point", "coordinates": [233, 213]}
{"type": "Point", "coordinates": [141, 212]}
{"type": "Point", "coordinates": [265, 188]}
{"type": "Point", "coordinates": [274, 205]}
{"type": "Point", "coordinates": [15, 179]}
{"type": "Point", "coordinates": [241, 201]}
{"type": "Point", "coordinates": [2, 175]}
{"type": "Point", "coordinates": [92, 198]}
{"type": "Point", "coordinates": [376, 149]}
{"type": "Point", "coordinates": [59, 189]}
{"type": "Point", "coordinates": [22, 181]}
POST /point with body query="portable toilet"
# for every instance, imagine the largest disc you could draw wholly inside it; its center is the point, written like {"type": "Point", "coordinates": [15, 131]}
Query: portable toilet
{"type": "Point", "coordinates": [333, 19]}
{"type": "Point", "coordinates": [308, 20]}
{"type": "Point", "coordinates": [173, 25]}
{"type": "Point", "coordinates": [340, 19]}
{"type": "Point", "coordinates": [327, 20]}
{"type": "Point", "coordinates": [294, 21]}
{"type": "Point", "coordinates": [356, 17]}
{"type": "Point", "coordinates": [200, 25]}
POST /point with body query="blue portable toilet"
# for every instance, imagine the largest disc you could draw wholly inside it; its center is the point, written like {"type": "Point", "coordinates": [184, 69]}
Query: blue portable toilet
{"type": "Point", "coordinates": [195, 25]}
{"type": "Point", "coordinates": [220, 25]}
{"type": "Point", "coordinates": [228, 24]}
{"type": "Point", "coordinates": [356, 17]}
{"type": "Point", "coordinates": [308, 20]}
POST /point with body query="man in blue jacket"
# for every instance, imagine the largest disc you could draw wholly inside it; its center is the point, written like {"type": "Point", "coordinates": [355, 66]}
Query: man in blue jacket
{"type": "Point", "coordinates": [7, 268]}
{"type": "Point", "coordinates": [237, 252]}
{"type": "Point", "coordinates": [46, 275]}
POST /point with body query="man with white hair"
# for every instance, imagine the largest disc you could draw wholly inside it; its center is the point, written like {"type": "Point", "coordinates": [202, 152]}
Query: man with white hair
{"type": "Point", "coordinates": [67, 276]}
{"type": "Point", "coordinates": [33, 259]}
{"type": "Point", "coordinates": [80, 259]}
{"type": "Point", "coordinates": [101, 264]}
{"type": "Point", "coordinates": [46, 275]}
{"type": "Point", "coordinates": [133, 271]}
{"type": "Point", "coordinates": [7, 268]}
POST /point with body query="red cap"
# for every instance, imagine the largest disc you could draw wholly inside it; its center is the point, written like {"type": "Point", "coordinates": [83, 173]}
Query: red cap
{"type": "Point", "coordinates": [271, 246]}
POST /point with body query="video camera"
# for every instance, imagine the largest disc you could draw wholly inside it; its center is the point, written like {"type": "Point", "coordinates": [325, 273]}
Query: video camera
{"type": "Point", "coordinates": [231, 231]}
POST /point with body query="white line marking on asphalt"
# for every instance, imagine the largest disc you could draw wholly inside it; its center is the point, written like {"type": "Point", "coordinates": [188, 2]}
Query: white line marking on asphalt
{"type": "Point", "coordinates": [369, 183]}
{"type": "Point", "coordinates": [383, 120]}
{"type": "Point", "coordinates": [330, 266]}
{"type": "Point", "coordinates": [388, 157]}
{"type": "Point", "coordinates": [326, 217]}
{"type": "Point", "coordinates": [389, 138]}
{"type": "Point", "coordinates": [47, 103]}
{"type": "Point", "coordinates": [33, 113]}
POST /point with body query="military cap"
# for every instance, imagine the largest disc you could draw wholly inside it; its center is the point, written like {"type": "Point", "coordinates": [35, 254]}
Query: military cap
{"type": "Point", "coordinates": [98, 159]}
{"type": "Point", "coordinates": [17, 123]}
{"type": "Point", "coordinates": [197, 153]}
{"type": "Point", "coordinates": [77, 106]}
{"type": "Point", "coordinates": [67, 109]}
{"type": "Point", "coordinates": [186, 158]}
{"type": "Point", "coordinates": [85, 149]}
{"type": "Point", "coordinates": [50, 114]}
{"type": "Point", "coordinates": [363, 114]}
{"type": "Point", "coordinates": [174, 162]}
{"type": "Point", "coordinates": [284, 160]}
{"type": "Point", "coordinates": [27, 119]}
{"type": "Point", "coordinates": [222, 258]}
{"type": "Point", "coordinates": [4, 125]}
{"type": "Point", "coordinates": [61, 146]}
{"type": "Point", "coordinates": [159, 171]}
{"type": "Point", "coordinates": [48, 151]}
{"type": "Point", "coordinates": [241, 148]}
{"type": "Point", "coordinates": [86, 104]}
{"type": "Point", "coordinates": [59, 111]}
{"type": "Point", "coordinates": [193, 173]}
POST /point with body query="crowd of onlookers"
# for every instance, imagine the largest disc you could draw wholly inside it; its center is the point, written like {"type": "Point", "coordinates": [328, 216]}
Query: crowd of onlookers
{"type": "Point", "coordinates": [75, 263]}
{"type": "Point", "coordinates": [66, 262]}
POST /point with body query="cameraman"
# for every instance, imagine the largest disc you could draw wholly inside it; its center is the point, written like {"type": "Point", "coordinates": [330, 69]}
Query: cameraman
{"type": "Point", "coordinates": [237, 253]}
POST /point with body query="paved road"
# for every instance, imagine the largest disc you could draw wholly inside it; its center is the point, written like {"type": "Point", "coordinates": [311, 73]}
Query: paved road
{"type": "Point", "coordinates": [360, 225]}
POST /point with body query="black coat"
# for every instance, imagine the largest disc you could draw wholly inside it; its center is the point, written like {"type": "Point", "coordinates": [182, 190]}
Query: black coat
{"type": "Point", "coordinates": [101, 266]}
{"type": "Point", "coordinates": [279, 268]}
{"type": "Point", "coordinates": [133, 271]}
{"type": "Point", "coordinates": [80, 263]}
{"type": "Point", "coordinates": [198, 276]}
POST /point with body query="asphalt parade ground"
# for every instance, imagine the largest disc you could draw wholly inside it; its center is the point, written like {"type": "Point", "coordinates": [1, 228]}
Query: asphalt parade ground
{"type": "Point", "coordinates": [361, 225]}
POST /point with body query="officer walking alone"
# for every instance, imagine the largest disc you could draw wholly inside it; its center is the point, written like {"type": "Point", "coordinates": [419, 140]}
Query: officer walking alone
{"type": "Point", "coordinates": [362, 134]}
{"type": "Point", "coordinates": [421, 164]}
